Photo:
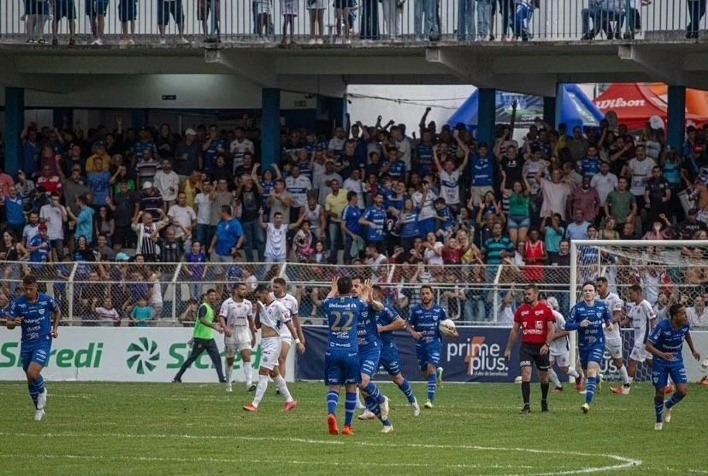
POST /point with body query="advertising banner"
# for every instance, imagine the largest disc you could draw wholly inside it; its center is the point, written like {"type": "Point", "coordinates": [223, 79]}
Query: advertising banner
{"type": "Point", "coordinates": [477, 356]}
{"type": "Point", "coordinates": [122, 355]}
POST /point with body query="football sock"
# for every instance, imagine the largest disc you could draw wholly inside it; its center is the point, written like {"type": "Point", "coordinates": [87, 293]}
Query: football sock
{"type": "Point", "coordinates": [432, 386]}
{"type": "Point", "coordinates": [332, 402]}
{"type": "Point", "coordinates": [34, 394]}
{"type": "Point", "coordinates": [283, 387]}
{"type": "Point", "coordinates": [629, 380]}
{"type": "Point", "coordinates": [349, 407]}
{"type": "Point", "coordinates": [624, 375]}
{"type": "Point", "coordinates": [590, 388]}
{"type": "Point", "coordinates": [544, 391]}
{"type": "Point", "coordinates": [675, 398]}
{"type": "Point", "coordinates": [229, 374]}
{"type": "Point", "coordinates": [526, 392]}
{"type": "Point", "coordinates": [573, 373]}
{"type": "Point", "coordinates": [659, 408]}
{"type": "Point", "coordinates": [553, 376]}
{"type": "Point", "coordinates": [407, 390]}
{"type": "Point", "coordinates": [373, 391]}
{"type": "Point", "coordinates": [248, 373]}
{"type": "Point", "coordinates": [261, 389]}
{"type": "Point", "coordinates": [39, 384]}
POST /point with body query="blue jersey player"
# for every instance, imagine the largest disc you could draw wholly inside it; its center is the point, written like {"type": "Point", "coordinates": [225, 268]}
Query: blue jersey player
{"type": "Point", "coordinates": [341, 359]}
{"type": "Point", "coordinates": [38, 315]}
{"type": "Point", "coordinates": [423, 326]}
{"type": "Point", "coordinates": [665, 343]}
{"type": "Point", "coordinates": [388, 321]}
{"type": "Point", "coordinates": [589, 317]}
{"type": "Point", "coordinates": [369, 355]}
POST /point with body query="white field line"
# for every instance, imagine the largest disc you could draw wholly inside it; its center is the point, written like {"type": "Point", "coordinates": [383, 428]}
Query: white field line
{"type": "Point", "coordinates": [621, 462]}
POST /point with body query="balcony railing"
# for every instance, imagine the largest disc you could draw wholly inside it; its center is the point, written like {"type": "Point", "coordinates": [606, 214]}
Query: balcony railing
{"type": "Point", "coordinates": [366, 22]}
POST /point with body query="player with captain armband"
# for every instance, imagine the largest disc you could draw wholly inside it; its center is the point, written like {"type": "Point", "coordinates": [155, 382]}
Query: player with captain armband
{"type": "Point", "coordinates": [665, 343]}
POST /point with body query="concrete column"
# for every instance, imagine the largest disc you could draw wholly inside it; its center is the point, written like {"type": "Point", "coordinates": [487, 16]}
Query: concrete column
{"type": "Point", "coordinates": [270, 127]}
{"type": "Point", "coordinates": [676, 116]}
{"type": "Point", "coordinates": [551, 108]}
{"type": "Point", "coordinates": [486, 118]}
{"type": "Point", "coordinates": [14, 124]}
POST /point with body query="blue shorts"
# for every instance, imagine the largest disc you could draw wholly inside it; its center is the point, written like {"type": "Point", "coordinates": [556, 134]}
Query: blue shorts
{"type": "Point", "coordinates": [35, 352]}
{"type": "Point", "coordinates": [515, 222]}
{"type": "Point", "coordinates": [64, 8]}
{"type": "Point", "coordinates": [342, 368]}
{"type": "Point", "coordinates": [661, 370]}
{"type": "Point", "coordinates": [593, 354]}
{"type": "Point", "coordinates": [390, 361]}
{"type": "Point", "coordinates": [165, 8]}
{"type": "Point", "coordinates": [127, 10]}
{"type": "Point", "coordinates": [96, 8]}
{"type": "Point", "coordinates": [369, 361]}
{"type": "Point", "coordinates": [37, 7]}
{"type": "Point", "coordinates": [428, 354]}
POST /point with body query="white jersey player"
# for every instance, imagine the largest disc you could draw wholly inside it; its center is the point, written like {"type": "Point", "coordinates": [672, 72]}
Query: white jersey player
{"type": "Point", "coordinates": [272, 316]}
{"type": "Point", "coordinates": [559, 352]}
{"type": "Point", "coordinates": [291, 304]}
{"type": "Point", "coordinates": [642, 317]}
{"type": "Point", "coordinates": [237, 319]}
{"type": "Point", "coordinates": [613, 339]}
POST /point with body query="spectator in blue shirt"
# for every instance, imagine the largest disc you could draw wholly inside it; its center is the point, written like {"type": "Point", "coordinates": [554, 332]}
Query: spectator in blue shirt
{"type": "Point", "coordinates": [228, 237]}
{"type": "Point", "coordinates": [374, 219]}
{"type": "Point", "coordinates": [577, 230]}
{"type": "Point", "coordinates": [351, 228]}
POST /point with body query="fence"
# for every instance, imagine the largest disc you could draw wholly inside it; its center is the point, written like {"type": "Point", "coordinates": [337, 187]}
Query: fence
{"type": "Point", "coordinates": [385, 20]}
{"type": "Point", "coordinates": [472, 294]}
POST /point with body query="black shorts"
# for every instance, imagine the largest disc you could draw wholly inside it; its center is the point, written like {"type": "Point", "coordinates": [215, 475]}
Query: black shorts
{"type": "Point", "coordinates": [530, 354]}
{"type": "Point", "coordinates": [165, 8]}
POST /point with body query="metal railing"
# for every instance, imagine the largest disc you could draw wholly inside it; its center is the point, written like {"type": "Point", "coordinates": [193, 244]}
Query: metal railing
{"type": "Point", "coordinates": [384, 21]}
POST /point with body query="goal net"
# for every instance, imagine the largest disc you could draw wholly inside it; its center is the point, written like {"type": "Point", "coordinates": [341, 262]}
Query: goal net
{"type": "Point", "coordinates": [668, 272]}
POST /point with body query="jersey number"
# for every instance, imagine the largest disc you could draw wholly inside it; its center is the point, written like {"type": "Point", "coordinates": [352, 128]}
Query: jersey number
{"type": "Point", "coordinates": [342, 321]}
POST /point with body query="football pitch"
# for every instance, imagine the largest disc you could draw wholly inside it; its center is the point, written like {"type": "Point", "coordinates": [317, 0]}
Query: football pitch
{"type": "Point", "coordinates": [111, 428]}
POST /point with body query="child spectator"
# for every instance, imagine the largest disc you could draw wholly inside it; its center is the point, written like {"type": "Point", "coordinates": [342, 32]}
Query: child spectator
{"type": "Point", "coordinates": [142, 314]}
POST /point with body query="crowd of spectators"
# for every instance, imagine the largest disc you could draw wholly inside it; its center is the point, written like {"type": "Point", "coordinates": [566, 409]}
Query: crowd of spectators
{"type": "Point", "coordinates": [443, 206]}
{"type": "Point", "coordinates": [367, 20]}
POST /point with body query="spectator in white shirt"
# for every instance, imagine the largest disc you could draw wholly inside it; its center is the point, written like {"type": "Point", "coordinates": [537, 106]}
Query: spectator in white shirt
{"type": "Point", "coordinates": [698, 314]}
{"type": "Point", "coordinates": [54, 216]}
{"type": "Point", "coordinates": [354, 184]}
{"type": "Point", "coordinates": [604, 182]}
{"type": "Point", "coordinates": [167, 182]}
{"type": "Point", "coordinates": [183, 220]}
{"type": "Point", "coordinates": [239, 146]}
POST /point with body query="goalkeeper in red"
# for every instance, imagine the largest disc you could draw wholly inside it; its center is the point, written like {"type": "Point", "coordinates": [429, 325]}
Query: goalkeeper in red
{"type": "Point", "coordinates": [665, 343]}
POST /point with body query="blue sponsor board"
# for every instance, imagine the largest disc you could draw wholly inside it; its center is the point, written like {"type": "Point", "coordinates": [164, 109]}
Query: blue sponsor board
{"type": "Point", "coordinates": [476, 356]}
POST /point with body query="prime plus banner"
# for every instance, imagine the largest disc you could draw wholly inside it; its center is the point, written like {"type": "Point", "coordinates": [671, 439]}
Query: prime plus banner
{"type": "Point", "coordinates": [121, 355]}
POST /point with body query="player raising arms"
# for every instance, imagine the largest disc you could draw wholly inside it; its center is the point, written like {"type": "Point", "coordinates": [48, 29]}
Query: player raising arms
{"type": "Point", "coordinates": [38, 315]}
{"type": "Point", "coordinates": [423, 325]}
{"type": "Point", "coordinates": [536, 323]}
{"type": "Point", "coordinates": [642, 318]}
{"type": "Point", "coordinates": [588, 317]}
{"type": "Point", "coordinates": [665, 343]}
{"type": "Point", "coordinates": [613, 340]}
{"type": "Point", "coordinates": [559, 353]}
{"type": "Point", "coordinates": [272, 315]}
{"type": "Point", "coordinates": [342, 312]}
{"type": "Point", "coordinates": [389, 320]}
{"type": "Point", "coordinates": [290, 302]}
{"type": "Point", "coordinates": [370, 354]}
{"type": "Point", "coordinates": [236, 318]}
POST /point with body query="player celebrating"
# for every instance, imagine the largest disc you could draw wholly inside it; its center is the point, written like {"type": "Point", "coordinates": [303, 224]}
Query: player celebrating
{"type": "Point", "coordinates": [290, 303]}
{"type": "Point", "coordinates": [369, 356]}
{"type": "Point", "coordinates": [536, 323]}
{"type": "Point", "coordinates": [613, 340]}
{"type": "Point", "coordinates": [666, 343]}
{"type": "Point", "coordinates": [643, 318]}
{"type": "Point", "coordinates": [236, 318]}
{"type": "Point", "coordinates": [559, 353]}
{"type": "Point", "coordinates": [423, 325]}
{"type": "Point", "coordinates": [388, 321]}
{"type": "Point", "coordinates": [342, 312]}
{"type": "Point", "coordinates": [38, 315]}
{"type": "Point", "coordinates": [588, 317]}
{"type": "Point", "coordinates": [271, 316]}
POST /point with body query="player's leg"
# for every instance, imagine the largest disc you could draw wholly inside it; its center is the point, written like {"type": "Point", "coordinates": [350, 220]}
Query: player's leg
{"type": "Point", "coordinates": [283, 357]}
{"type": "Point", "coordinates": [290, 402]}
{"type": "Point", "coordinates": [553, 376]}
{"type": "Point", "coordinates": [33, 361]}
{"type": "Point", "coordinates": [248, 369]}
{"type": "Point", "coordinates": [376, 402]}
{"type": "Point", "coordinates": [659, 377]}
{"type": "Point", "coordinates": [229, 357]}
{"type": "Point", "coordinates": [432, 359]}
{"type": "Point", "coordinates": [543, 364]}
{"type": "Point", "coordinates": [591, 360]}
{"type": "Point", "coordinates": [213, 352]}
{"type": "Point", "coordinates": [677, 372]}
{"type": "Point", "coordinates": [269, 362]}
{"type": "Point", "coordinates": [351, 375]}
{"type": "Point", "coordinates": [614, 348]}
{"type": "Point", "coordinates": [526, 358]}
{"type": "Point", "coordinates": [334, 379]}
{"type": "Point", "coordinates": [391, 363]}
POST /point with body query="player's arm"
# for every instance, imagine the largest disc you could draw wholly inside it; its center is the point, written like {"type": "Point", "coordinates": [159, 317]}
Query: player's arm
{"type": "Point", "coordinates": [571, 324]}
{"type": "Point", "coordinates": [650, 346]}
{"type": "Point", "coordinates": [201, 315]}
{"type": "Point", "coordinates": [299, 335]}
{"type": "Point", "coordinates": [694, 352]}
{"type": "Point", "coordinates": [397, 324]}
{"type": "Point", "coordinates": [222, 323]}
{"type": "Point", "coordinates": [513, 337]}
{"type": "Point", "coordinates": [252, 328]}
{"type": "Point", "coordinates": [12, 322]}
{"type": "Point", "coordinates": [551, 331]}
{"type": "Point", "coordinates": [609, 320]}
{"type": "Point", "coordinates": [409, 327]}
{"type": "Point", "coordinates": [56, 317]}
{"type": "Point", "coordinates": [294, 333]}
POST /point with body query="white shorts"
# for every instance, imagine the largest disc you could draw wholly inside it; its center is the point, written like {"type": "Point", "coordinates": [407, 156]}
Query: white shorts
{"type": "Point", "coordinates": [270, 348]}
{"type": "Point", "coordinates": [287, 340]}
{"type": "Point", "coordinates": [639, 352]}
{"type": "Point", "coordinates": [239, 341]}
{"type": "Point", "coordinates": [614, 348]}
{"type": "Point", "coordinates": [562, 360]}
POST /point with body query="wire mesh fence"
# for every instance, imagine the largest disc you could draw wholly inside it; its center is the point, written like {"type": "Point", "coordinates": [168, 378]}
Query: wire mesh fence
{"type": "Point", "coordinates": [259, 21]}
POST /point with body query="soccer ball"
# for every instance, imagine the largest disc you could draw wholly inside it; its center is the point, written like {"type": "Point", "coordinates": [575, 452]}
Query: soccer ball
{"type": "Point", "coordinates": [447, 328]}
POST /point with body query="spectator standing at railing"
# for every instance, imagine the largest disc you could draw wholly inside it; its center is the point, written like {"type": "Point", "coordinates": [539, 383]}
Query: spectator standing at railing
{"type": "Point", "coordinates": [96, 11]}
{"type": "Point", "coordinates": [127, 14]}
{"type": "Point", "coordinates": [316, 10]}
{"type": "Point", "coordinates": [165, 8]}
{"type": "Point", "coordinates": [425, 18]}
{"type": "Point", "coordinates": [696, 12]}
{"type": "Point", "coordinates": [466, 20]}
{"type": "Point", "coordinates": [63, 9]}
{"type": "Point", "coordinates": [35, 13]}
{"type": "Point", "coordinates": [484, 19]}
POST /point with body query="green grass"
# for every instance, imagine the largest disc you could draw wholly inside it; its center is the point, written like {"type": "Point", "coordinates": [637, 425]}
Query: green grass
{"type": "Point", "coordinates": [102, 428]}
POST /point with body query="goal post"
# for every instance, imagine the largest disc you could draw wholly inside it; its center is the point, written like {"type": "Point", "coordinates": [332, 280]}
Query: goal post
{"type": "Point", "coordinates": [669, 271]}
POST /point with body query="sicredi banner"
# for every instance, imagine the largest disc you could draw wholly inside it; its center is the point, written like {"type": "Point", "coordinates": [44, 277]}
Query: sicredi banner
{"type": "Point", "coordinates": [123, 355]}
